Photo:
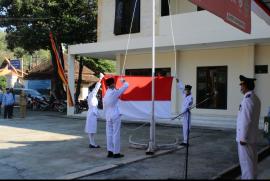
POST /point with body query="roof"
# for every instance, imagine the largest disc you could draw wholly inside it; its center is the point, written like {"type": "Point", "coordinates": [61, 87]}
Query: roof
{"type": "Point", "coordinates": [45, 70]}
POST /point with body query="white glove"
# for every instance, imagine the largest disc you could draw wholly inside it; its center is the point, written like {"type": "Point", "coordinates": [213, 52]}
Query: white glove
{"type": "Point", "coordinates": [122, 80]}
{"type": "Point", "coordinates": [101, 75]}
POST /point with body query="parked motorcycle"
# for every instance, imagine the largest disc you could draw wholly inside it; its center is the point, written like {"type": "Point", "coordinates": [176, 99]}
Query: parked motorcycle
{"type": "Point", "coordinates": [81, 106]}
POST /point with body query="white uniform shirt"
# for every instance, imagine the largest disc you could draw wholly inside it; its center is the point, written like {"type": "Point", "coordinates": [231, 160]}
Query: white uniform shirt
{"type": "Point", "coordinates": [110, 102]}
{"type": "Point", "coordinates": [187, 100]}
{"type": "Point", "coordinates": [248, 118]}
{"type": "Point", "coordinates": [92, 100]}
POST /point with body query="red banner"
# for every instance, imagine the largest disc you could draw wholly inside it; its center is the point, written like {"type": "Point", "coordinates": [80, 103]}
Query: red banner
{"type": "Point", "coordinates": [235, 12]}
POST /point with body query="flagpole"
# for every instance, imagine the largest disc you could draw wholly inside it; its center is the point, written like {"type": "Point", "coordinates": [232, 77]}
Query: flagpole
{"type": "Point", "coordinates": [152, 142]}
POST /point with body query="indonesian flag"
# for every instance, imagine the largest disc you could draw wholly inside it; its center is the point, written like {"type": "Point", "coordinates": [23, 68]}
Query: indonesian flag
{"type": "Point", "coordinates": [136, 102]}
{"type": "Point", "coordinates": [261, 10]}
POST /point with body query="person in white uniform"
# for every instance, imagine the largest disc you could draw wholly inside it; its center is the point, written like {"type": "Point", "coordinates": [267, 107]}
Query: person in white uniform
{"type": "Point", "coordinates": [247, 128]}
{"type": "Point", "coordinates": [92, 114]}
{"type": "Point", "coordinates": [113, 117]}
{"type": "Point", "coordinates": [187, 102]}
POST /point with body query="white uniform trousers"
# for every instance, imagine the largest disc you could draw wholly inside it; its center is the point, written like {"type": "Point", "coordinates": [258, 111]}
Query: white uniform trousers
{"type": "Point", "coordinates": [248, 160]}
{"type": "Point", "coordinates": [186, 120]}
{"type": "Point", "coordinates": [113, 127]}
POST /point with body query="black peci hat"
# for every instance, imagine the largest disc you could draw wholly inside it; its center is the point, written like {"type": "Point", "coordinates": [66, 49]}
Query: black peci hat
{"type": "Point", "coordinates": [248, 81]}
{"type": "Point", "coordinates": [188, 87]}
{"type": "Point", "coordinates": [109, 81]}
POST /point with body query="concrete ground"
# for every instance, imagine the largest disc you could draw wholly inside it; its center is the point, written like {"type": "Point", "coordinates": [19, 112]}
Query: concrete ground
{"type": "Point", "coordinates": [48, 145]}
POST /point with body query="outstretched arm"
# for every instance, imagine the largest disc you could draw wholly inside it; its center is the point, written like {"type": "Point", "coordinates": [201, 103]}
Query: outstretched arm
{"type": "Point", "coordinates": [98, 84]}
{"type": "Point", "coordinates": [120, 91]}
{"type": "Point", "coordinates": [181, 87]}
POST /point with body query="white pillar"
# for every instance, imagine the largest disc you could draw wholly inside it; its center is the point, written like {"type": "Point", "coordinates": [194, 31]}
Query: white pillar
{"type": "Point", "coordinates": [71, 82]}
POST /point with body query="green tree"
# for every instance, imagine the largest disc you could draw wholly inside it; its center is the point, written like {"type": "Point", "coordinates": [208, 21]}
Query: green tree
{"type": "Point", "coordinates": [4, 52]}
{"type": "Point", "coordinates": [28, 24]}
{"type": "Point", "coordinates": [19, 52]}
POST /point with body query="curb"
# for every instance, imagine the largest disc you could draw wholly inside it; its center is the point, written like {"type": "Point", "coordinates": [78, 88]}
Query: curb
{"type": "Point", "coordinates": [235, 170]}
{"type": "Point", "coordinates": [103, 168]}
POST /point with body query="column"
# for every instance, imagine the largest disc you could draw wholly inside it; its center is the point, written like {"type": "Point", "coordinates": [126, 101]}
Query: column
{"type": "Point", "coordinates": [71, 82]}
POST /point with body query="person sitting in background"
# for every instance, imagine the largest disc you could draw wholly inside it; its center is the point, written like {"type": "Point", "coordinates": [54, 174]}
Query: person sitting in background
{"type": "Point", "coordinates": [23, 103]}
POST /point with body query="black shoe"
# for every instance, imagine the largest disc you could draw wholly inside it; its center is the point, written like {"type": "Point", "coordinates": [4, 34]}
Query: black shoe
{"type": "Point", "coordinates": [184, 144]}
{"type": "Point", "coordinates": [94, 146]}
{"type": "Point", "coordinates": [118, 155]}
{"type": "Point", "coordinates": [110, 154]}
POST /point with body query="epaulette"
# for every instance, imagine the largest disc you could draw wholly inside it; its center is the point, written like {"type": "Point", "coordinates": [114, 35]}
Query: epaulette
{"type": "Point", "coordinates": [248, 96]}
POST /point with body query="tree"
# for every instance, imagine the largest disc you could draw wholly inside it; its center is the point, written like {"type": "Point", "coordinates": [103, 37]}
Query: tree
{"type": "Point", "coordinates": [28, 24]}
{"type": "Point", "coordinates": [4, 52]}
{"type": "Point", "coordinates": [19, 52]}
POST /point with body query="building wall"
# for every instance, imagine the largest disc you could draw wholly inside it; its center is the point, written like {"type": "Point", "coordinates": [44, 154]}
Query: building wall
{"type": "Point", "coordinates": [262, 57]}
{"type": "Point", "coordinates": [106, 16]}
{"type": "Point", "coordinates": [239, 60]}
{"type": "Point", "coordinates": [182, 6]}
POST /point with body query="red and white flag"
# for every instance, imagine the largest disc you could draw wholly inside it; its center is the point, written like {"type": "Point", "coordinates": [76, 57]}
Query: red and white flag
{"type": "Point", "coordinates": [136, 102]}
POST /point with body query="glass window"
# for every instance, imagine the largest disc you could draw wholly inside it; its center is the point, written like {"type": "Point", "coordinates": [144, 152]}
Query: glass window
{"type": "Point", "coordinates": [165, 11]}
{"type": "Point", "coordinates": [210, 81]}
{"type": "Point", "coordinates": [123, 17]}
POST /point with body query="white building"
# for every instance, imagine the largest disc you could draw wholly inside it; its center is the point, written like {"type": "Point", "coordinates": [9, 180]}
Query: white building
{"type": "Point", "coordinates": [211, 54]}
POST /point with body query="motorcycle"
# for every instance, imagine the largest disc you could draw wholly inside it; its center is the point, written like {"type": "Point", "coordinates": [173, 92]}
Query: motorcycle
{"type": "Point", "coordinates": [81, 106]}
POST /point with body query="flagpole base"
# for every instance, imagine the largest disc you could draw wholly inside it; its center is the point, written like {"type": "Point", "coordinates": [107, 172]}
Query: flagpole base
{"type": "Point", "coordinates": [151, 149]}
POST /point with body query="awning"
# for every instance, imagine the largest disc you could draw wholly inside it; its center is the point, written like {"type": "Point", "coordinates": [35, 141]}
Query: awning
{"type": "Point", "coordinates": [262, 9]}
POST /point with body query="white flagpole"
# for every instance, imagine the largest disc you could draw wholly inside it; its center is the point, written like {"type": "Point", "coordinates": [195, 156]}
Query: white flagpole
{"type": "Point", "coordinates": [152, 143]}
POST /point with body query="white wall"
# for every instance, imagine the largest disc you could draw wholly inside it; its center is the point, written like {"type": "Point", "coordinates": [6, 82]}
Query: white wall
{"type": "Point", "coordinates": [106, 15]}
{"type": "Point", "coordinates": [106, 10]}
{"type": "Point", "coordinates": [182, 6]}
{"type": "Point", "coordinates": [239, 60]}
{"type": "Point", "coordinates": [11, 79]}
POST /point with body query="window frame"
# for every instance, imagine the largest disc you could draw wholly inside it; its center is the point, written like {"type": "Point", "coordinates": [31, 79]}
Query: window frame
{"type": "Point", "coordinates": [226, 85]}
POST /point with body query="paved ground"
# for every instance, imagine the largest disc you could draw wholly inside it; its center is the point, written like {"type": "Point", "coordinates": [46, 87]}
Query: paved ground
{"type": "Point", "coordinates": [46, 145]}
{"type": "Point", "coordinates": [210, 153]}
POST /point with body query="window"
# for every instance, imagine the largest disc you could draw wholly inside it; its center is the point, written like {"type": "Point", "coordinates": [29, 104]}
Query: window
{"type": "Point", "coordinates": [165, 11]}
{"type": "Point", "coordinates": [212, 80]}
{"type": "Point", "coordinates": [148, 72]}
{"type": "Point", "coordinates": [261, 69]}
{"type": "Point", "coordinates": [123, 17]}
